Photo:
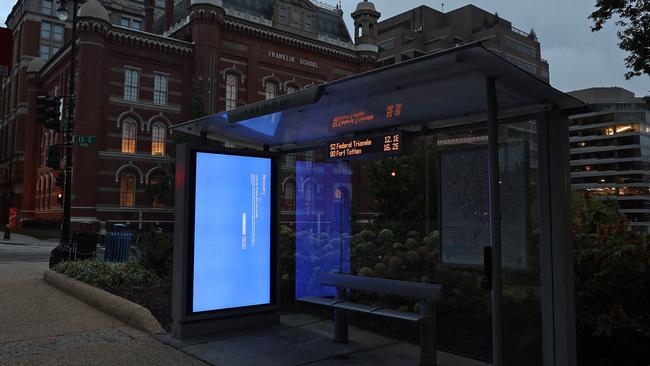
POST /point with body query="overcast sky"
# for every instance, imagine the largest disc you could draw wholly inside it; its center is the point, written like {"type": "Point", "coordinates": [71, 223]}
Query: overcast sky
{"type": "Point", "coordinates": [578, 58]}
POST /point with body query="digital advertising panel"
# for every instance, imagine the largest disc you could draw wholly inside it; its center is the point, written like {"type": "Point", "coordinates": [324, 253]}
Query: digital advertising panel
{"type": "Point", "coordinates": [233, 218]}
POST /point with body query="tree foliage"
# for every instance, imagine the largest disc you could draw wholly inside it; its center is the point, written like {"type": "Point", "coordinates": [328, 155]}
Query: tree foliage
{"type": "Point", "coordinates": [399, 186]}
{"type": "Point", "coordinates": [633, 16]}
{"type": "Point", "coordinates": [612, 274]}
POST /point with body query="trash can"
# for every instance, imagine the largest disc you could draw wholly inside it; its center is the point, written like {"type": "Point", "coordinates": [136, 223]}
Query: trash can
{"type": "Point", "coordinates": [117, 246]}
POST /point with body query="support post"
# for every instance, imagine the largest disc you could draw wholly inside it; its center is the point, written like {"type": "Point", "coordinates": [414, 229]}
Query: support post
{"type": "Point", "coordinates": [556, 248]}
{"type": "Point", "coordinates": [428, 338]}
{"type": "Point", "coordinates": [69, 134]}
{"type": "Point", "coordinates": [340, 320]}
{"type": "Point", "coordinates": [495, 221]}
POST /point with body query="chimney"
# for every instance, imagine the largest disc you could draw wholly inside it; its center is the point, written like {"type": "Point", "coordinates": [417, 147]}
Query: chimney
{"type": "Point", "coordinates": [149, 6]}
{"type": "Point", "coordinates": [169, 14]}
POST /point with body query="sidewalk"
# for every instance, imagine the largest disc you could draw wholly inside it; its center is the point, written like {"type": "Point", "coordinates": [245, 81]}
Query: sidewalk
{"type": "Point", "coordinates": [43, 326]}
{"type": "Point", "coordinates": [18, 239]}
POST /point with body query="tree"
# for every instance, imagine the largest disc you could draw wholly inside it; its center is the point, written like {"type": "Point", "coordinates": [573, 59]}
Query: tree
{"type": "Point", "coordinates": [633, 18]}
{"type": "Point", "coordinates": [612, 277]}
{"type": "Point", "coordinates": [399, 187]}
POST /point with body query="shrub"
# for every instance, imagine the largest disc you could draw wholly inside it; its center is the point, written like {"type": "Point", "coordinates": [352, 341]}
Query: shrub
{"type": "Point", "coordinates": [612, 272]}
{"type": "Point", "coordinates": [107, 275]}
{"type": "Point", "coordinates": [156, 253]}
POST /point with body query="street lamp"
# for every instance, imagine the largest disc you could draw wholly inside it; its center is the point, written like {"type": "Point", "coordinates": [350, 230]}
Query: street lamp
{"type": "Point", "coordinates": [63, 14]}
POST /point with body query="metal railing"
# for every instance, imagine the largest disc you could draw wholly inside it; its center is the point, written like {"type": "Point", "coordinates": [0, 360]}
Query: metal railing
{"type": "Point", "coordinates": [519, 31]}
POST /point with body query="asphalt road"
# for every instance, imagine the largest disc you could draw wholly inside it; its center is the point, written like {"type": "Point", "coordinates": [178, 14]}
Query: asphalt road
{"type": "Point", "coordinates": [24, 249]}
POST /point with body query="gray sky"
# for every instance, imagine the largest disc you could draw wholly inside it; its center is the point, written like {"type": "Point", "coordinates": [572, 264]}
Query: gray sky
{"type": "Point", "coordinates": [578, 58]}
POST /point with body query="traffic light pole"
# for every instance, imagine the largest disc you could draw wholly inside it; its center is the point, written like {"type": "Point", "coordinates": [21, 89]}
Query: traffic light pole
{"type": "Point", "coordinates": [69, 133]}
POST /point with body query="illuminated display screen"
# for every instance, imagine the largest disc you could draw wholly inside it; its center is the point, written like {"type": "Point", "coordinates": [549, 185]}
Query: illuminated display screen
{"type": "Point", "coordinates": [363, 147]}
{"type": "Point", "coordinates": [232, 232]}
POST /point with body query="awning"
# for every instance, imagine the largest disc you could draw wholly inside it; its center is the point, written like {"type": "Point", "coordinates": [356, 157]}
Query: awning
{"type": "Point", "coordinates": [441, 89]}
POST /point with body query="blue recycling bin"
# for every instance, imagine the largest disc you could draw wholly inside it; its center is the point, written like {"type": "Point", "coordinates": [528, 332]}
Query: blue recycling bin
{"type": "Point", "coordinates": [117, 246]}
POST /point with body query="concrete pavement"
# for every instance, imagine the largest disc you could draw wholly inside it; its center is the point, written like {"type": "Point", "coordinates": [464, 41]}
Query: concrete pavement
{"type": "Point", "coordinates": [40, 325]}
{"type": "Point", "coordinates": [303, 339]}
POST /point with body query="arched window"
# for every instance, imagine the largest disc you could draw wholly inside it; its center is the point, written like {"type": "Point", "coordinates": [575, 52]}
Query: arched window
{"type": "Point", "coordinates": [360, 31]}
{"type": "Point", "coordinates": [46, 193]}
{"type": "Point", "coordinates": [289, 195]}
{"type": "Point", "coordinates": [291, 88]}
{"type": "Point", "coordinates": [39, 192]}
{"type": "Point", "coordinates": [159, 189]}
{"type": "Point", "coordinates": [129, 135]}
{"type": "Point", "coordinates": [127, 190]}
{"type": "Point", "coordinates": [158, 136]}
{"type": "Point", "coordinates": [232, 91]}
{"type": "Point", "coordinates": [271, 89]}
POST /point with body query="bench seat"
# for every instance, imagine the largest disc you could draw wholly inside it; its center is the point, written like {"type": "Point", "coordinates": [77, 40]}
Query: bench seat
{"type": "Point", "coordinates": [363, 308]}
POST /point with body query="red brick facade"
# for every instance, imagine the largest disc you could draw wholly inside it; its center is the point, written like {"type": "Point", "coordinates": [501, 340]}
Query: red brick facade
{"type": "Point", "coordinates": [195, 58]}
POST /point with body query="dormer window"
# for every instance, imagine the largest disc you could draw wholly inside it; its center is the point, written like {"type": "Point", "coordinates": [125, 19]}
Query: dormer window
{"type": "Point", "coordinates": [308, 22]}
{"type": "Point", "coordinates": [283, 16]}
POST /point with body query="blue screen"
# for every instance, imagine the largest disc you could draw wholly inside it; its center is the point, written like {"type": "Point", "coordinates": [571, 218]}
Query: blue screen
{"type": "Point", "coordinates": [232, 232]}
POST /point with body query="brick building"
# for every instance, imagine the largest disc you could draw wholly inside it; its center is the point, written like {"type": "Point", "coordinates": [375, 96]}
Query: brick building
{"type": "Point", "coordinates": [423, 30]}
{"type": "Point", "coordinates": [142, 67]}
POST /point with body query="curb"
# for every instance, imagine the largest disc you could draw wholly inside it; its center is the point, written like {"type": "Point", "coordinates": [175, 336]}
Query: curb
{"type": "Point", "coordinates": [123, 310]}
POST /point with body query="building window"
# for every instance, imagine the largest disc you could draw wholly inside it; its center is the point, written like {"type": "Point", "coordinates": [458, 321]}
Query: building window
{"type": "Point", "coordinates": [289, 196]}
{"type": "Point", "coordinates": [232, 91]}
{"type": "Point", "coordinates": [522, 64]}
{"type": "Point", "coordinates": [387, 61]}
{"type": "Point", "coordinates": [130, 23]}
{"type": "Point", "coordinates": [308, 22]}
{"type": "Point", "coordinates": [131, 83]}
{"type": "Point", "coordinates": [283, 17]}
{"type": "Point", "coordinates": [158, 136]}
{"type": "Point", "coordinates": [360, 31]}
{"type": "Point", "coordinates": [520, 47]}
{"type": "Point", "coordinates": [160, 88]}
{"type": "Point", "coordinates": [129, 134]}
{"type": "Point", "coordinates": [51, 39]}
{"type": "Point", "coordinates": [387, 45]}
{"type": "Point", "coordinates": [291, 88]}
{"type": "Point", "coordinates": [127, 190]}
{"type": "Point", "coordinates": [271, 89]}
{"type": "Point", "coordinates": [46, 7]}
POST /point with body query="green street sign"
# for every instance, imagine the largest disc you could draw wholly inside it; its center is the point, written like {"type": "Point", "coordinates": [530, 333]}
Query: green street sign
{"type": "Point", "coordinates": [84, 141]}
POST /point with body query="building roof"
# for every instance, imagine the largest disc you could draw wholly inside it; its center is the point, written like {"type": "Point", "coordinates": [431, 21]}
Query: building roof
{"type": "Point", "coordinates": [329, 23]}
{"type": "Point", "coordinates": [613, 94]}
{"type": "Point", "coordinates": [93, 9]}
{"type": "Point", "coordinates": [439, 90]}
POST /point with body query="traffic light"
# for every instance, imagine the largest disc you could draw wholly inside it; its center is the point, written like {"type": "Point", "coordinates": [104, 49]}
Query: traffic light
{"type": "Point", "coordinates": [54, 156]}
{"type": "Point", "coordinates": [48, 112]}
{"type": "Point", "coordinates": [59, 199]}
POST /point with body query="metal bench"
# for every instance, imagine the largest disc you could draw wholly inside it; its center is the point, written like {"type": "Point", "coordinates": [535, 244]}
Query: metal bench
{"type": "Point", "coordinates": [117, 247]}
{"type": "Point", "coordinates": [428, 294]}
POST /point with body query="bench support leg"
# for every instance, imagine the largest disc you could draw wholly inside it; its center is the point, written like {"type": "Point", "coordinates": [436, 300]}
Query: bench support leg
{"type": "Point", "coordinates": [340, 320]}
{"type": "Point", "coordinates": [428, 346]}
{"type": "Point", "coordinates": [340, 326]}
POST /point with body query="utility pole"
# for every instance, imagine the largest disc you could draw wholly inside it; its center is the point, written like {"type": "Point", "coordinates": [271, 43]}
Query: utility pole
{"type": "Point", "coordinates": [63, 14]}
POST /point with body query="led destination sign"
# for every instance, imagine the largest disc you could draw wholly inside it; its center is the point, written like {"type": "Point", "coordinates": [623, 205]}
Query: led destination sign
{"type": "Point", "coordinates": [363, 147]}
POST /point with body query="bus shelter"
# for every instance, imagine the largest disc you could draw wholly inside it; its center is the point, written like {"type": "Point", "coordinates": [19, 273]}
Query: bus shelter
{"type": "Point", "coordinates": [461, 155]}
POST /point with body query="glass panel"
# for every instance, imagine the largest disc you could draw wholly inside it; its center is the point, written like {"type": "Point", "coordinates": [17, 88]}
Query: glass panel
{"type": "Point", "coordinates": [519, 190]}
{"type": "Point", "coordinates": [58, 34]}
{"type": "Point", "coordinates": [129, 133]}
{"type": "Point", "coordinates": [127, 190]}
{"type": "Point", "coordinates": [45, 31]}
{"type": "Point", "coordinates": [46, 7]}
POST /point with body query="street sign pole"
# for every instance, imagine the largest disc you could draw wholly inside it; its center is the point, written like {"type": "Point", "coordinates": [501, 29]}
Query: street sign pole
{"type": "Point", "coordinates": [69, 132]}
